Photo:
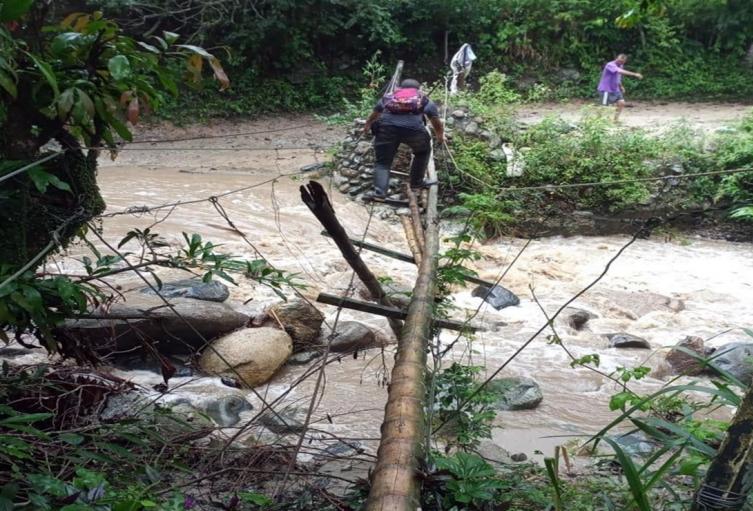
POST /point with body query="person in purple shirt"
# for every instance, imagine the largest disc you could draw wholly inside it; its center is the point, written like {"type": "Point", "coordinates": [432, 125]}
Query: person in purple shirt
{"type": "Point", "coordinates": [611, 91]}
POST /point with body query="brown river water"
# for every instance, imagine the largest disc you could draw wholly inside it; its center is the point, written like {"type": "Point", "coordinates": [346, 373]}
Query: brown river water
{"type": "Point", "coordinates": [709, 283]}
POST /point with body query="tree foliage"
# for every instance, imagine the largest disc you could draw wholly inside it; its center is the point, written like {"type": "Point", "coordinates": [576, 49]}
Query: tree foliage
{"type": "Point", "coordinates": [79, 82]}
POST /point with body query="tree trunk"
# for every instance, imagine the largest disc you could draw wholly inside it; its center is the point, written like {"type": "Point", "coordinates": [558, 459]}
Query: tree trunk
{"type": "Point", "coordinates": [394, 482]}
{"type": "Point", "coordinates": [728, 479]}
{"type": "Point", "coordinates": [33, 218]}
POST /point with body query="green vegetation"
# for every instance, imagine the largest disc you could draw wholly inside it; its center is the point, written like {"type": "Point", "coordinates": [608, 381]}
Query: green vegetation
{"type": "Point", "coordinates": [305, 55]}
{"type": "Point", "coordinates": [555, 152]}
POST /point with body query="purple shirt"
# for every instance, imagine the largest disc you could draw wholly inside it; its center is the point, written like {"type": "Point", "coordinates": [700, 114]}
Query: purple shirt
{"type": "Point", "coordinates": [610, 78]}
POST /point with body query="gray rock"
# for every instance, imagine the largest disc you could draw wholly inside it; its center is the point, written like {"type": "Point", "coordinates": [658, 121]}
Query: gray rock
{"type": "Point", "coordinates": [516, 393]}
{"type": "Point", "coordinates": [735, 358]}
{"type": "Point", "coordinates": [186, 332]}
{"type": "Point", "coordinates": [471, 128]}
{"type": "Point", "coordinates": [578, 318]}
{"type": "Point", "coordinates": [284, 422]}
{"type": "Point", "coordinates": [301, 320]}
{"type": "Point", "coordinates": [303, 358]}
{"type": "Point", "coordinates": [340, 180]}
{"type": "Point", "coordinates": [313, 166]}
{"type": "Point", "coordinates": [226, 410]}
{"type": "Point", "coordinates": [343, 449]}
{"type": "Point", "coordinates": [624, 340]}
{"type": "Point", "coordinates": [498, 297]}
{"type": "Point", "coordinates": [351, 336]}
{"type": "Point", "coordinates": [212, 291]}
{"type": "Point", "coordinates": [362, 148]}
{"type": "Point", "coordinates": [519, 457]}
{"type": "Point", "coordinates": [493, 453]}
{"type": "Point", "coordinates": [402, 211]}
{"type": "Point", "coordinates": [458, 114]}
{"type": "Point", "coordinates": [498, 155]}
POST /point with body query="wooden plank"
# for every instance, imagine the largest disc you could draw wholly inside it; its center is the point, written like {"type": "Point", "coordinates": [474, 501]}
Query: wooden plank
{"type": "Point", "coordinates": [389, 312]}
{"type": "Point", "coordinates": [389, 202]}
{"type": "Point", "coordinates": [378, 249]}
{"type": "Point", "coordinates": [403, 257]}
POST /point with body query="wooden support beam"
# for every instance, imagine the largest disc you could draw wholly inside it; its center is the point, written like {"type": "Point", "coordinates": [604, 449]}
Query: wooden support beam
{"type": "Point", "coordinates": [378, 249]}
{"type": "Point", "coordinates": [403, 257]}
{"type": "Point", "coordinates": [396, 480]}
{"type": "Point", "coordinates": [390, 312]}
{"type": "Point", "coordinates": [389, 202]}
{"type": "Point", "coordinates": [314, 196]}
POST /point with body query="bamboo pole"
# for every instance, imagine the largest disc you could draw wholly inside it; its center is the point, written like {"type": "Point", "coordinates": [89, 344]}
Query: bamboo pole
{"type": "Point", "coordinates": [418, 228]}
{"type": "Point", "coordinates": [316, 199]}
{"type": "Point", "coordinates": [727, 481]}
{"type": "Point", "coordinates": [394, 481]}
{"type": "Point", "coordinates": [410, 236]}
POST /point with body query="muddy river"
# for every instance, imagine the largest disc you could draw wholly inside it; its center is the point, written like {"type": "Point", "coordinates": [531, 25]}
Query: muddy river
{"type": "Point", "coordinates": [660, 289]}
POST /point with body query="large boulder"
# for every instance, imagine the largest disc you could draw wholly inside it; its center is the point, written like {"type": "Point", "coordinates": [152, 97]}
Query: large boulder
{"type": "Point", "coordinates": [623, 340]}
{"type": "Point", "coordinates": [351, 336]}
{"type": "Point", "coordinates": [301, 320]}
{"type": "Point", "coordinates": [735, 358]}
{"type": "Point", "coordinates": [497, 296]}
{"type": "Point", "coordinates": [516, 393]}
{"type": "Point", "coordinates": [252, 354]}
{"type": "Point", "coordinates": [183, 328]}
{"type": "Point", "coordinates": [212, 291]}
{"type": "Point", "coordinates": [681, 359]}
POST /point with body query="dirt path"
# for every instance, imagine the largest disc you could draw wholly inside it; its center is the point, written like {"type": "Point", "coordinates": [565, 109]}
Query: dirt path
{"type": "Point", "coordinates": [649, 115]}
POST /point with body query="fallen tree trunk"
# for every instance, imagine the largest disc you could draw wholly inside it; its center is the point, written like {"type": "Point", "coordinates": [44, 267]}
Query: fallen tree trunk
{"type": "Point", "coordinates": [394, 482]}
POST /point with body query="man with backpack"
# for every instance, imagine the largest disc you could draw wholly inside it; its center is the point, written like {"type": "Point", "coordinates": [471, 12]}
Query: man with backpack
{"type": "Point", "coordinates": [398, 118]}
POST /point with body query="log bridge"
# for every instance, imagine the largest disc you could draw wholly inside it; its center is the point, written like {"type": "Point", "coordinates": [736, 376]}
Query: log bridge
{"type": "Point", "coordinates": [395, 481]}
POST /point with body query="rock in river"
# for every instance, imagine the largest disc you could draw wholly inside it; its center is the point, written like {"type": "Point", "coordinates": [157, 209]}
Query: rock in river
{"type": "Point", "coordinates": [516, 393]}
{"type": "Point", "coordinates": [497, 296]}
{"type": "Point", "coordinates": [351, 336]}
{"type": "Point", "coordinates": [623, 340]}
{"type": "Point", "coordinates": [735, 358]}
{"type": "Point", "coordinates": [212, 291]}
{"type": "Point", "coordinates": [577, 318]}
{"type": "Point", "coordinates": [681, 358]}
{"type": "Point", "coordinates": [254, 354]}
{"type": "Point", "coordinates": [301, 320]}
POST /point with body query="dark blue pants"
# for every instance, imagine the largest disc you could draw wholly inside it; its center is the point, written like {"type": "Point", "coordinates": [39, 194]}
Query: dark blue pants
{"type": "Point", "coordinates": [388, 139]}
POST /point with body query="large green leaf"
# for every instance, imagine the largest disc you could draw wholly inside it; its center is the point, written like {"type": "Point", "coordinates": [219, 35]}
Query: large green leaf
{"type": "Point", "coordinates": [47, 72]}
{"type": "Point", "coordinates": [120, 67]}
{"type": "Point", "coordinates": [42, 179]}
{"type": "Point", "coordinates": [64, 43]}
{"type": "Point", "coordinates": [14, 9]}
